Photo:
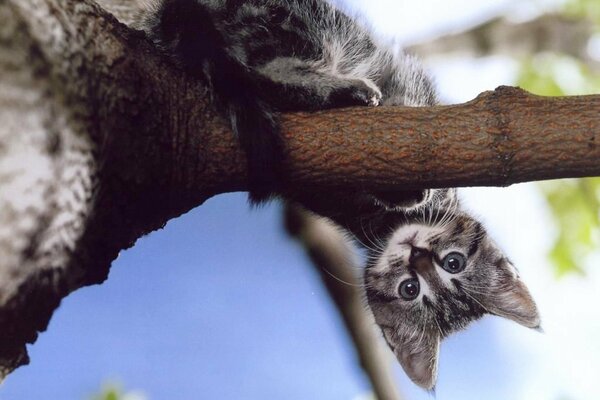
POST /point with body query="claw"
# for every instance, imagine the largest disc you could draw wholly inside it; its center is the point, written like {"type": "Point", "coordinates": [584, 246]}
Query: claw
{"type": "Point", "coordinates": [374, 101]}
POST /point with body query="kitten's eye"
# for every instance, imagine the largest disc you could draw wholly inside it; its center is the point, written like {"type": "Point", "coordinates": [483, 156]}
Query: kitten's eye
{"type": "Point", "coordinates": [454, 262]}
{"type": "Point", "coordinates": [409, 289]}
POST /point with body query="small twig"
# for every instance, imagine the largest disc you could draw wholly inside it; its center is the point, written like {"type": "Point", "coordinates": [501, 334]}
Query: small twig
{"type": "Point", "coordinates": [333, 258]}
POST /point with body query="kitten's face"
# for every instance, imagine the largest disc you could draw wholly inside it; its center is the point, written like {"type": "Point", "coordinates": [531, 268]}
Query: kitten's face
{"type": "Point", "coordinates": [439, 271]}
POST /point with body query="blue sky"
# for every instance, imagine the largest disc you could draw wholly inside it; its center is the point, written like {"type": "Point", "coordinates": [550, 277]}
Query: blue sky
{"type": "Point", "coordinates": [221, 304]}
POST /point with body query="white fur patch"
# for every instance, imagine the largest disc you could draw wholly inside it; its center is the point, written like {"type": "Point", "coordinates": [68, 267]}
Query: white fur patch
{"type": "Point", "coordinates": [417, 235]}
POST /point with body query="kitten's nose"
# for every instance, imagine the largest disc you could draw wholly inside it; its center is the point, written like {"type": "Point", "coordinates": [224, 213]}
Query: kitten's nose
{"type": "Point", "coordinates": [420, 260]}
{"type": "Point", "coordinates": [417, 252]}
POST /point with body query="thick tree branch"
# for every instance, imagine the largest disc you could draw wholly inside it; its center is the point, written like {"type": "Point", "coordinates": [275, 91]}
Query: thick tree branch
{"type": "Point", "coordinates": [148, 146]}
{"type": "Point", "coordinates": [501, 137]}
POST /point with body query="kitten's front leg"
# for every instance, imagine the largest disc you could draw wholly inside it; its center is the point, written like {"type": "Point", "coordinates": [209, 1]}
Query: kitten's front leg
{"type": "Point", "coordinates": [354, 92]}
{"type": "Point", "coordinates": [293, 84]}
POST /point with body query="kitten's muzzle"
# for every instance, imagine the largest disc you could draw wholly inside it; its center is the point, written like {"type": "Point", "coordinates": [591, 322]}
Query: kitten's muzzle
{"type": "Point", "coordinates": [421, 261]}
{"type": "Point", "coordinates": [418, 252]}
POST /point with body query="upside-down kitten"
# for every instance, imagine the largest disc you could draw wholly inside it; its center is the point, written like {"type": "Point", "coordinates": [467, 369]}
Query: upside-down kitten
{"type": "Point", "coordinates": [438, 270]}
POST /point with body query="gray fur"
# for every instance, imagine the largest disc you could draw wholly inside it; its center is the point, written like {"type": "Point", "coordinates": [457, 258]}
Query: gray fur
{"type": "Point", "coordinates": [332, 51]}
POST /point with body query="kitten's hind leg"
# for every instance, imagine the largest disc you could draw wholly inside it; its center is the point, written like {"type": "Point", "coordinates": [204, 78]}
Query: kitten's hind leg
{"type": "Point", "coordinates": [294, 84]}
{"type": "Point", "coordinates": [192, 34]}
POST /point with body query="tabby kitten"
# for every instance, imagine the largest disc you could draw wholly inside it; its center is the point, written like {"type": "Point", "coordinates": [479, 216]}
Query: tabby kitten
{"type": "Point", "coordinates": [438, 269]}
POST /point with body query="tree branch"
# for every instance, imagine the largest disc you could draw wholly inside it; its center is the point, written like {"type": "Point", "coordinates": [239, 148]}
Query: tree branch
{"type": "Point", "coordinates": [501, 137]}
{"type": "Point", "coordinates": [129, 142]}
{"type": "Point", "coordinates": [333, 258]}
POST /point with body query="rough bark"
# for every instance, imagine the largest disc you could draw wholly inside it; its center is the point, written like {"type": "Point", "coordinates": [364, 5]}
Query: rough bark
{"type": "Point", "coordinates": [79, 89]}
{"type": "Point", "coordinates": [502, 137]}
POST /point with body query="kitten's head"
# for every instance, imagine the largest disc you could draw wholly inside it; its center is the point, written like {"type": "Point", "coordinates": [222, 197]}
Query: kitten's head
{"type": "Point", "coordinates": [437, 271]}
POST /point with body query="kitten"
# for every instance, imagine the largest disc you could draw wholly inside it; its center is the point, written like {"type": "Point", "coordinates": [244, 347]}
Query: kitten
{"type": "Point", "coordinates": [264, 56]}
{"type": "Point", "coordinates": [438, 270]}
{"type": "Point", "coordinates": [435, 272]}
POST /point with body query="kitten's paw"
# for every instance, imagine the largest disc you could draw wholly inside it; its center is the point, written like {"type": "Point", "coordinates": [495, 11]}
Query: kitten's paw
{"type": "Point", "coordinates": [367, 93]}
{"type": "Point", "coordinates": [375, 101]}
{"type": "Point", "coordinates": [359, 93]}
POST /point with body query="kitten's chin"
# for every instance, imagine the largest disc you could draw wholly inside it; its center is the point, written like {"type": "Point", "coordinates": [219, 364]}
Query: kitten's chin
{"type": "Point", "coordinates": [401, 200]}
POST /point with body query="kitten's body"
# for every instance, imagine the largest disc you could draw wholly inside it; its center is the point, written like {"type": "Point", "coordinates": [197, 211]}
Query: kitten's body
{"type": "Point", "coordinates": [264, 56]}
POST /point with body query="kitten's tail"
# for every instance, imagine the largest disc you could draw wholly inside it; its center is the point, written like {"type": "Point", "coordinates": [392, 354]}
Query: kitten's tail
{"type": "Point", "coordinates": [186, 30]}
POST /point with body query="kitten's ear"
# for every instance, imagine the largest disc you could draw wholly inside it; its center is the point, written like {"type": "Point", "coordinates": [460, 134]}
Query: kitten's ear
{"type": "Point", "coordinates": [510, 298]}
{"type": "Point", "coordinates": [419, 358]}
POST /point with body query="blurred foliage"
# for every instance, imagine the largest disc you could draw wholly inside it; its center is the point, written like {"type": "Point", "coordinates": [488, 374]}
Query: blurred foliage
{"type": "Point", "coordinates": [575, 203]}
{"type": "Point", "coordinates": [583, 9]}
{"type": "Point", "coordinates": [115, 392]}
{"type": "Point", "coordinates": [550, 74]}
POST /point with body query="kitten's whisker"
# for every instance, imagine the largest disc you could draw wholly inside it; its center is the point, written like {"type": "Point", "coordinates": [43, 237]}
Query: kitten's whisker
{"type": "Point", "coordinates": [470, 285]}
{"type": "Point", "coordinates": [422, 319]}
{"type": "Point", "coordinates": [372, 244]}
{"type": "Point", "coordinates": [378, 244]}
{"type": "Point", "coordinates": [377, 252]}
{"type": "Point", "coordinates": [474, 299]}
{"type": "Point", "coordinates": [438, 326]}
{"type": "Point", "coordinates": [339, 279]}
{"type": "Point", "coordinates": [450, 215]}
{"type": "Point", "coordinates": [484, 292]}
